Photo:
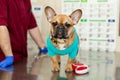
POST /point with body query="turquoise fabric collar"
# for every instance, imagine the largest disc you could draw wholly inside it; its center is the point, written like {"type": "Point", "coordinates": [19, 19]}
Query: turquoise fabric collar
{"type": "Point", "coordinates": [52, 48]}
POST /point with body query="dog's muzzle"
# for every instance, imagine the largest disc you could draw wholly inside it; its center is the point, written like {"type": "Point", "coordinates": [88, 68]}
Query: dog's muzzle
{"type": "Point", "coordinates": [60, 33]}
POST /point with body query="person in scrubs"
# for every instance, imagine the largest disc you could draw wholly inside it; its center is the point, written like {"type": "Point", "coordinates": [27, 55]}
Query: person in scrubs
{"type": "Point", "coordinates": [16, 19]}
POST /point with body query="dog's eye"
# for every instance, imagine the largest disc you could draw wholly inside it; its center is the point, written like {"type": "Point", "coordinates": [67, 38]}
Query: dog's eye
{"type": "Point", "coordinates": [67, 25]}
{"type": "Point", "coordinates": [54, 23]}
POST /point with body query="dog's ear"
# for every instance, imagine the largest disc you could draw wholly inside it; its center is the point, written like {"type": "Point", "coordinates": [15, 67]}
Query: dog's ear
{"type": "Point", "coordinates": [50, 13]}
{"type": "Point", "coordinates": [75, 16]}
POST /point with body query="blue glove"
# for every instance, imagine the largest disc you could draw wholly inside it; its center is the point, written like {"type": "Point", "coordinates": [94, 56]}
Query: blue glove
{"type": "Point", "coordinates": [43, 50]}
{"type": "Point", "coordinates": [7, 61]}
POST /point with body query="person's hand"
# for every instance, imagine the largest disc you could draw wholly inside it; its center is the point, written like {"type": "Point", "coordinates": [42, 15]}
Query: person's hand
{"type": "Point", "coordinates": [7, 61]}
{"type": "Point", "coordinates": [43, 50]}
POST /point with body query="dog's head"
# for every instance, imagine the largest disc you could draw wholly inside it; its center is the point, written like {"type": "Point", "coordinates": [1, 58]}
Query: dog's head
{"type": "Point", "coordinates": [62, 25]}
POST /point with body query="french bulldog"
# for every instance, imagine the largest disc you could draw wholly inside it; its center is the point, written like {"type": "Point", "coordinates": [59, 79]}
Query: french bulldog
{"type": "Point", "coordinates": [63, 38]}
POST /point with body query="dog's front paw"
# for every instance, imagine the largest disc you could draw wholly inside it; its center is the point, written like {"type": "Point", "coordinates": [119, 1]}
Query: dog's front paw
{"type": "Point", "coordinates": [69, 68]}
{"type": "Point", "coordinates": [56, 68]}
{"type": "Point", "coordinates": [75, 61]}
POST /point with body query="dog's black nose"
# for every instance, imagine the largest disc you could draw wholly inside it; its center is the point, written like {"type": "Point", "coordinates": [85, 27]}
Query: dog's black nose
{"type": "Point", "coordinates": [60, 30]}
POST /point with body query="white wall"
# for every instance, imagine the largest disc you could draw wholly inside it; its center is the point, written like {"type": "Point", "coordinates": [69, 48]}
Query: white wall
{"type": "Point", "coordinates": [44, 28]}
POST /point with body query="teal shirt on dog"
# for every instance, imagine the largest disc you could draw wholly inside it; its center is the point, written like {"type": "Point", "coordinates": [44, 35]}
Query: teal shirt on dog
{"type": "Point", "coordinates": [72, 50]}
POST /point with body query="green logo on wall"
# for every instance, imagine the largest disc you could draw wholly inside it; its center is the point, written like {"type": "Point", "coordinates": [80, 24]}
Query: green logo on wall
{"type": "Point", "coordinates": [84, 0]}
{"type": "Point", "coordinates": [83, 20]}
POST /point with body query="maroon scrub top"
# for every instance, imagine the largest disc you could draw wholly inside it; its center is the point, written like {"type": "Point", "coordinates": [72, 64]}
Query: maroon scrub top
{"type": "Point", "coordinates": [18, 17]}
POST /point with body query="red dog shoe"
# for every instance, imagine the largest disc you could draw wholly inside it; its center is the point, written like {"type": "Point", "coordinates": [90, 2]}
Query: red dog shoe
{"type": "Point", "coordinates": [80, 68]}
{"type": "Point", "coordinates": [74, 66]}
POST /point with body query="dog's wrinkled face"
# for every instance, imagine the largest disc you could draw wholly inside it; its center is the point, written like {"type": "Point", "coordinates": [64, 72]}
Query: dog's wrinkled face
{"type": "Point", "coordinates": [62, 25]}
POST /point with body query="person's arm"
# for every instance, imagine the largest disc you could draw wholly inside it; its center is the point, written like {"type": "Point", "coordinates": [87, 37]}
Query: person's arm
{"type": "Point", "coordinates": [36, 36]}
{"type": "Point", "coordinates": [5, 47]}
{"type": "Point", "coordinates": [5, 41]}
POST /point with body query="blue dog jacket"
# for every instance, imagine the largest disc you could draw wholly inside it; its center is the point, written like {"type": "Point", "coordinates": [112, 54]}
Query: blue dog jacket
{"type": "Point", "coordinates": [72, 50]}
